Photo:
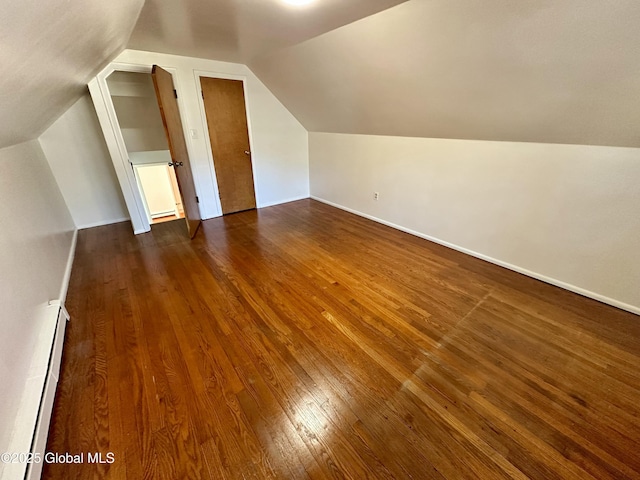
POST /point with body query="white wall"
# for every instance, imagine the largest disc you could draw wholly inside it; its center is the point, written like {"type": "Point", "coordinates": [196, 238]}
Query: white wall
{"type": "Point", "coordinates": [158, 192]}
{"type": "Point", "coordinates": [280, 151]}
{"type": "Point", "coordinates": [134, 99]}
{"type": "Point", "coordinates": [36, 232]}
{"type": "Point", "coordinates": [76, 151]}
{"type": "Point", "coordinates": [568, 213]}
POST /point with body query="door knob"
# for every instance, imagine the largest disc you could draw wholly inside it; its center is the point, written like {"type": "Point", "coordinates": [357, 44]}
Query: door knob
{"type": "Point", "coordinates": [247, 152]}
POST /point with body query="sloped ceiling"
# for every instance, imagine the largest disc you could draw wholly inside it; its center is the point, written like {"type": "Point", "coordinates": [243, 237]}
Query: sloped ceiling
{"type": "Point", "coordinates": [49, 51]}
{"type": "Point", "coordinates": [558, 71]}
{"type": "Point", "coordinates": [239, 30]}
{"type": "Point", "coordinates": [550, 71]}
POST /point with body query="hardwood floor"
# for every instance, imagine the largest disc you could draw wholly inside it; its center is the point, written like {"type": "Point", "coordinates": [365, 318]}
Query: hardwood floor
{"type": "Point", "coordinates": [300, 341]}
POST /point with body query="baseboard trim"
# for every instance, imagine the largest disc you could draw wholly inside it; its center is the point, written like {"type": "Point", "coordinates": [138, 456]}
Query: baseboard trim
{"type": "Point", "coordinates": [67, 272]}
{"type": "Point", "coordinates": [552, 281]}
{"type": "Point", "coordinates": [102, 223]}
{"type": "Point", "coordinates": [280, 202]}
{"type": "Point", "coordinates": [49, 387]}
{"type": "Point", "coordinates": [32, 418]}
{"type": "Point", "coordinates": [138, 232]}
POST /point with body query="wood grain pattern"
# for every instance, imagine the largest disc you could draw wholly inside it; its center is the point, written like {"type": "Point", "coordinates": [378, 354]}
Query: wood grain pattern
{"type": "Point", "coordinates": [300, 341]}
{"type": "Point", "coordinates": [170, 113]}
{"type": "Point", "coordinates": [224, 106]}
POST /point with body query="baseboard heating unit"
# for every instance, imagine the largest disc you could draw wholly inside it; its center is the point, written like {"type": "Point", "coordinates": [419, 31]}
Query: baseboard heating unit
{"type": "Point", "coordinates": [29, 437]}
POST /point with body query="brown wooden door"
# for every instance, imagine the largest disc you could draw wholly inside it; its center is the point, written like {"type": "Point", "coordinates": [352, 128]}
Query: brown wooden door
{"type": "Point", "coordinates": [167, 100]}
{"type": "Point", "coordinates": [229, 135]}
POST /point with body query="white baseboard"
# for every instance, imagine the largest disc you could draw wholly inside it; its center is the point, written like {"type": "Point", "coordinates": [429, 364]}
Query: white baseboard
{"type": "Point", "coordinates": [280, 202]}
{"type": "Point", "coordinates": [31, 422]}
{"type": "Point", "coordinates": [67, 272]}
{"type": "Point", "coordinates": [102, 223]}
{"type": "Point", "coordinates": [45, 411]}
{"type": "Point", "coordinates": [163, 214]}
{"type": "Point", "coordinates": [515, 268]}
{"type": "Point", "coordinates": [45, 371]}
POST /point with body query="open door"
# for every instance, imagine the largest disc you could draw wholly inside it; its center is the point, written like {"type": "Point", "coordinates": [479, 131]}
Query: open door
{"type": "Point", "coordinates": [168, 103]}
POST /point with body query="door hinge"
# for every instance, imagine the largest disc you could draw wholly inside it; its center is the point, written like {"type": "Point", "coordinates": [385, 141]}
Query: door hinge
{"type": "Point", "coordinates": [197, 199]}
{"type": "Point", "coordinates": [202, 92]}
{"type": "Point", "coordinates": [175, 93]}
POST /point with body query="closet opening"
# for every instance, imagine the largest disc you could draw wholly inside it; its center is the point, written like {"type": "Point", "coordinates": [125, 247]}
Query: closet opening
{"type": "Point", "coordinates": [136, 107]}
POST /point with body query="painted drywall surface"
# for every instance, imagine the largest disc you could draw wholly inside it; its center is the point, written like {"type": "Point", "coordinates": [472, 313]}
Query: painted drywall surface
{"type": "Point", "coordinates": [137, 111]}
{"type": "Point", "coordinates": [567, 212]}
{"type": "Point", "coordinates": [280, 151]}
{"type": "Point", "coordinates": [237, 30]}
{"type": "Point", "coordinates": [49, 52]}
{"type": "Point", "coordinates": [36, 232]}
{"type": "Point", "coordinates": [523, 71]}
{"type": "Point", "coordinates": [76, 151]}
{"type": "Point", "coordinates": [150, 157]}
{"type": "Point", "coordinates": [134, 119]}
{"type": "Point", "coordinates": [157, 189]}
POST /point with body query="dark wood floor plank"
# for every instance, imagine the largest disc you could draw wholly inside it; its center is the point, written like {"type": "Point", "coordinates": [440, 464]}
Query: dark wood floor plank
{"type": "Point", "coordinates": [300, 341]}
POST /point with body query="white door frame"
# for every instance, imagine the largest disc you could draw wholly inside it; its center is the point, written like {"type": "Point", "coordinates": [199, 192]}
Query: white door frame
{"type": "Point", "coordinates": [108, 119]}
{"type": "Point", "coordinates": [142, 195]}
{"type": "Point", "coordinates": [101, 96]}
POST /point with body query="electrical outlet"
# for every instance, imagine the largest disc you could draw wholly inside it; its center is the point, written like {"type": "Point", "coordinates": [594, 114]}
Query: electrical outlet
{"type": "Point", "coordinates": [376, 195]}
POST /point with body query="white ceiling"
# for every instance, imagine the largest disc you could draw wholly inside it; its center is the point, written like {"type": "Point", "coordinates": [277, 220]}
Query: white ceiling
{"type": "Point", "coordinates": [558, 71]}
{"type": "Point", "coordinates": [49, 51]}
{"type": "Point", "coordinates": [239, 30]}
{"type": "Point", "coordinates": [550, 71]}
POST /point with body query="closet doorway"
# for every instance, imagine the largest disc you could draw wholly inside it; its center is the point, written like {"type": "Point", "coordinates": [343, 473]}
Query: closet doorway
{"type": "Point", "coordinates": [138, 114]}
{"type": "Point", "coordinates": [140, 118]}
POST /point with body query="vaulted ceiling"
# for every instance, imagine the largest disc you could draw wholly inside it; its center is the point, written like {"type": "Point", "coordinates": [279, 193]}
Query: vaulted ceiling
{"type": "Point", "coordinates": [549, 71]}
{"type": "Point", "coordinates": [49, 51]}
{"type": "Point", "coordinates": [239, 30]}
{"type": "Point", "coordinates": [559, 71]}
